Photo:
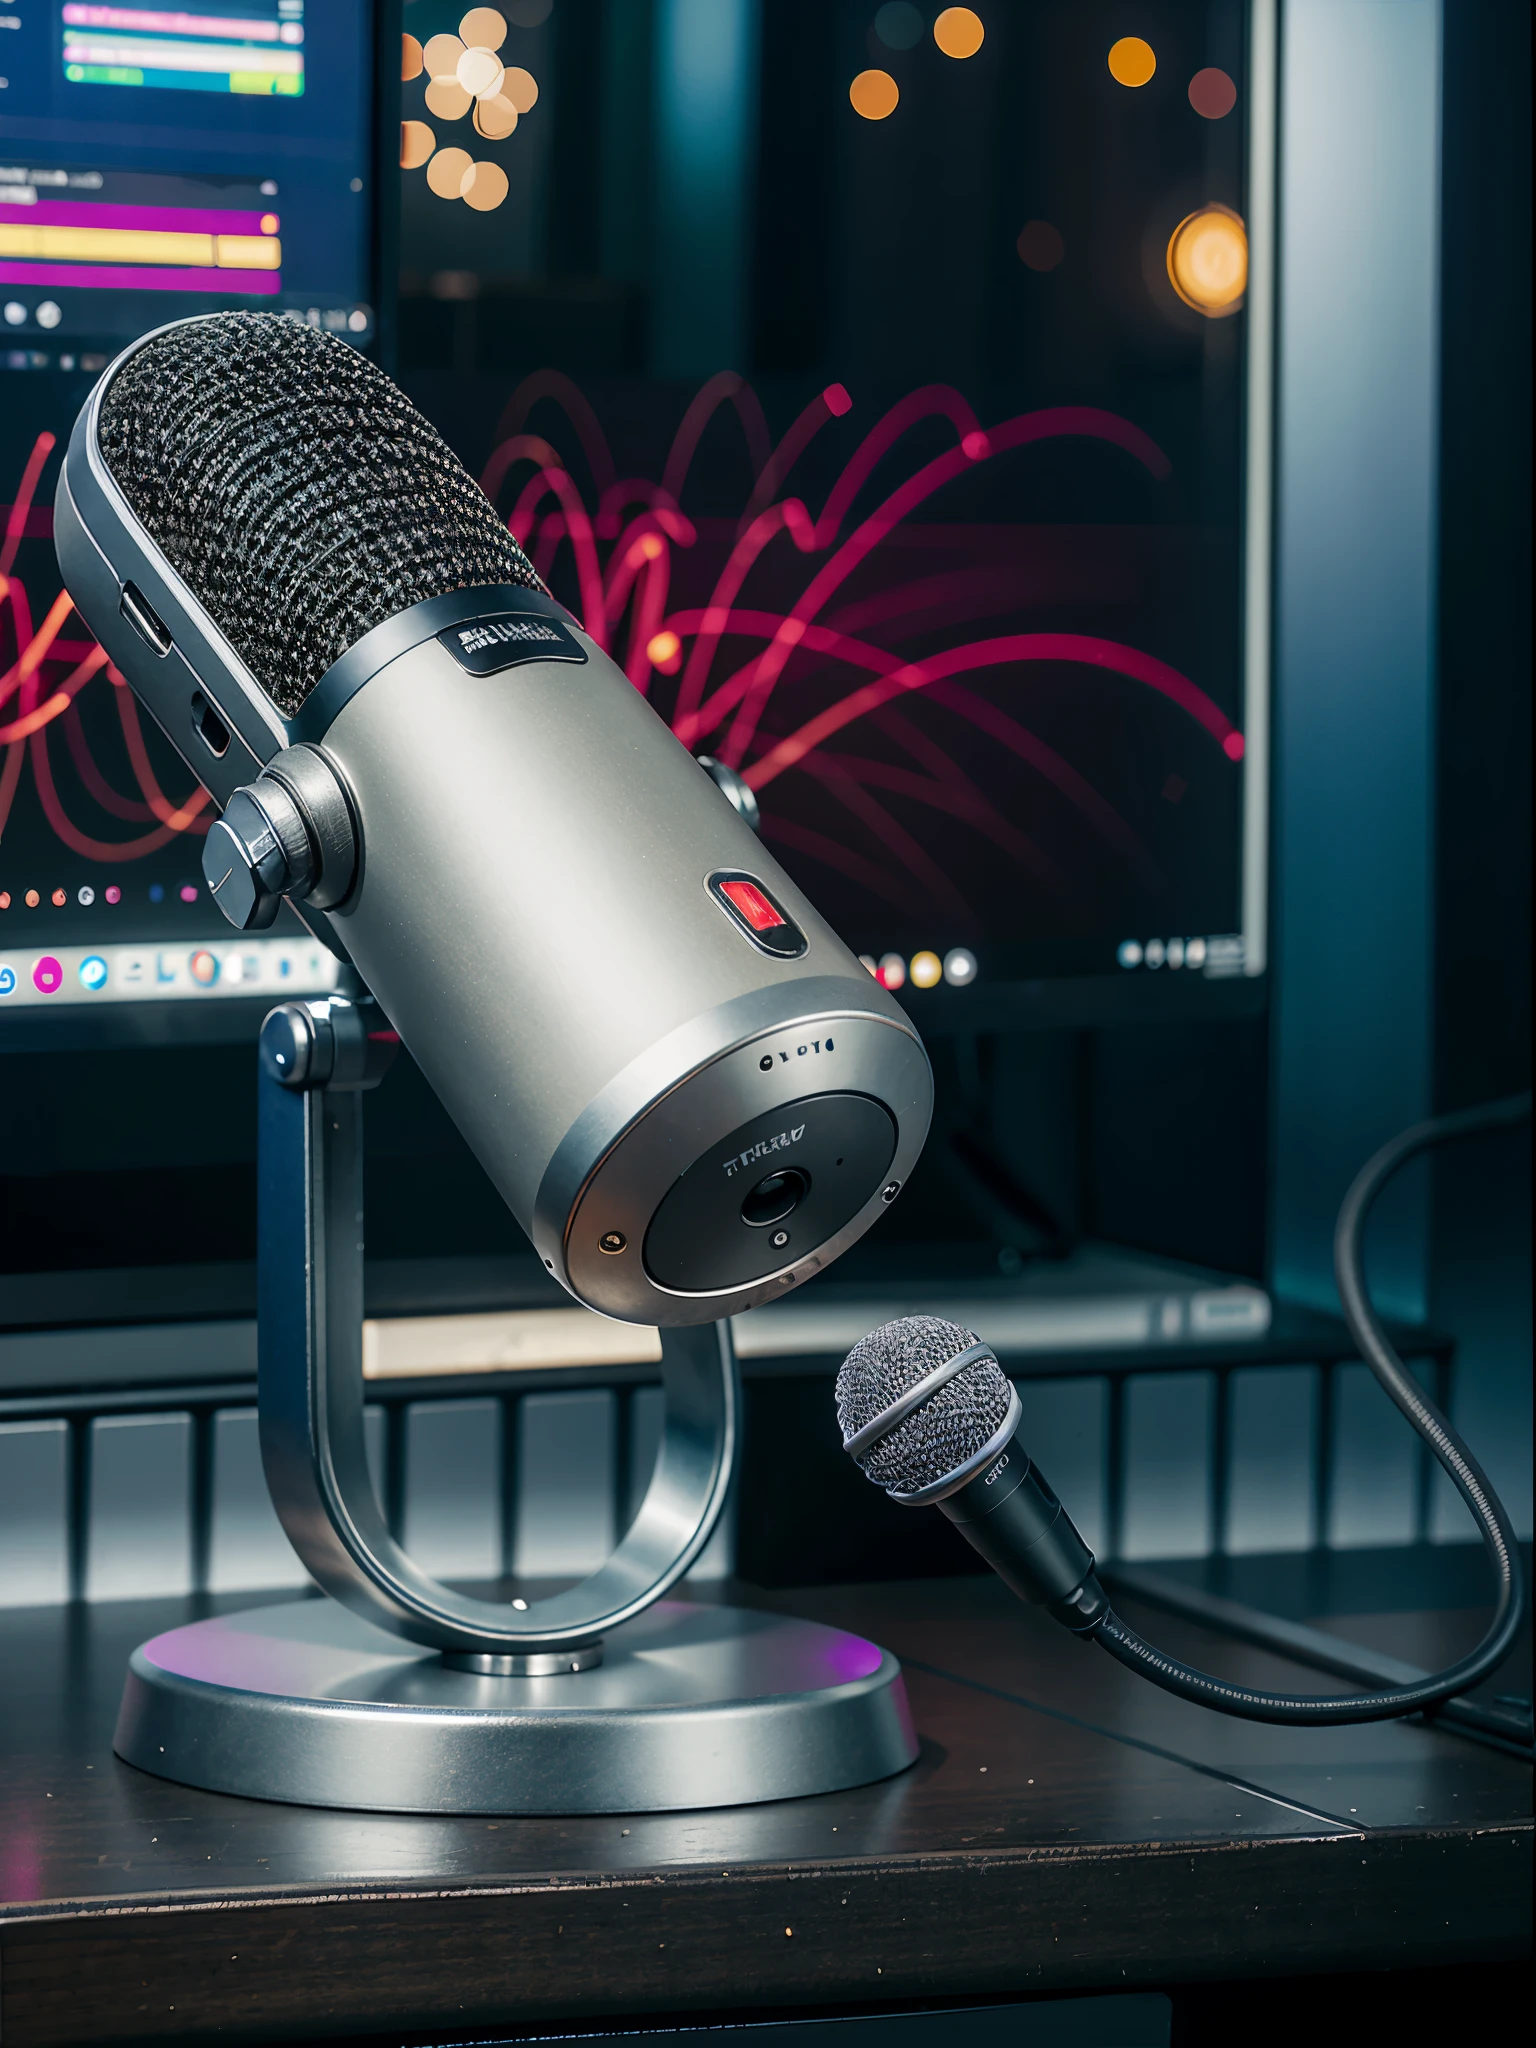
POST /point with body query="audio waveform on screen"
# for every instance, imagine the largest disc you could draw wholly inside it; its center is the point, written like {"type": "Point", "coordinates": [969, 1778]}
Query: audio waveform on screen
{"type": "Point", "coordinates": [45, 674]}
{"type": "Point", "coordinates": [779, 640]}
{"type": "Point", "coordinates": [789, 683]}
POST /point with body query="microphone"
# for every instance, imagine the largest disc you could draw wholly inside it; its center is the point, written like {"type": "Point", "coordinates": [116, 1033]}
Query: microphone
{"type": "Point", "coordinates": [682, 1083]}
{"type": "Point", "coordinates": [927, 1412]}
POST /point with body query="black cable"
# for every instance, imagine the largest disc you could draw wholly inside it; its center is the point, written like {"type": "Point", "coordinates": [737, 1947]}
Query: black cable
{"type": "Point", "coordinates": [1123, 1643]}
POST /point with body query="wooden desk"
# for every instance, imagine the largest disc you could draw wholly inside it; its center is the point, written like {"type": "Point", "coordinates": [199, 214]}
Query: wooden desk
{"type": "Point", "coordinates": [1066, 1827]}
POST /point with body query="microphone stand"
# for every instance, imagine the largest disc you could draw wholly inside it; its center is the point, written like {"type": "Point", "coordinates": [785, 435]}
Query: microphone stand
{"type": "Point", "coordinates": [399, 1693]}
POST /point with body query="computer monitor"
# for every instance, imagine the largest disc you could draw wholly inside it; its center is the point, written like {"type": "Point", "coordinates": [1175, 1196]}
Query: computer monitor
{"type": "Point", "coordinates": [889, 388]}
{"type": "Point", "coordinates": [154, 163]}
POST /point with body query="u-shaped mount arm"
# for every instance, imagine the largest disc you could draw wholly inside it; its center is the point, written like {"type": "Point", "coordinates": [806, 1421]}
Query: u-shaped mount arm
{"type": "Point", "coordinates": [316, 1061]}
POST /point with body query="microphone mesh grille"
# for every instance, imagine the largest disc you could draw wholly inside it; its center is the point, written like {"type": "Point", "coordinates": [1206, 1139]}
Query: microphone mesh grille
{"type": "Point", "coordinates": [296, 491]}
{"type": "Point", "coordinates": [952, 1425]}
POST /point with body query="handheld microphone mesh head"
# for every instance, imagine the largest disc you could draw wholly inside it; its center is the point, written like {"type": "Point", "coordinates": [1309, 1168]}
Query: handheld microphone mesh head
{"type": "Point", "coordinates": [296, 491]}
{"type": "Point", "coordinates": [956, 1421]}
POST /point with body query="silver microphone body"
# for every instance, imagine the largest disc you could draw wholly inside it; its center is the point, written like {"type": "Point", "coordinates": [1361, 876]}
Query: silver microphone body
{"type": "Point", "coordinates": [557, 909]}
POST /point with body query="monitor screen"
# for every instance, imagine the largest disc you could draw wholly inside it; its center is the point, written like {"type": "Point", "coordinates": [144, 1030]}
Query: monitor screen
{"type": "Point", "coordinates": [875, 381]}
{"type": "Point", "coordinates": [154, 163]}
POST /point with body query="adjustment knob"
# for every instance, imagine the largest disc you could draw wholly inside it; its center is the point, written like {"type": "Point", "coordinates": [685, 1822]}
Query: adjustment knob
{"type": "Point", "coordinates": [288, 833]}
{"type": "Point", "coordinates": [246, 862]}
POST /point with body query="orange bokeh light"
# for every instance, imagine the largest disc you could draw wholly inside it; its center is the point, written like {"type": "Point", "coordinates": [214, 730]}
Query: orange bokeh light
{"type": "Point", "coordinates": [959, 32]}
{"type": "Point", "coordinates": [665, 651]}
{"type": "Point", "coordinates": [448, 99]}
{"type": "Point", "coordinates": [1132, 61]}
{"type": "Point", "coordinates": [483, 29]}
{"type": "Point", "coordinates": [1208, 261]}
{"type": "Point", "coordinates": [521, 88]}
{"type": "Point", "coordinates": [446, 172]}
{"type": "Point", "coordinates": [441, 55]}
{"type": "Point", "coordinates": [483, 187]}
{"type": "Point", "coordinates": [873, 95]}
{"type": "Point", "coordinates": [417, 143]}
{"type": "Point", "coordinates": [410, 59]}
{"type": "Point", "coordinates": [495, 118]}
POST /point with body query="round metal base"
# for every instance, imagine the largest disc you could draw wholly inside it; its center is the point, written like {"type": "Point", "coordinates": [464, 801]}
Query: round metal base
{"type": "Point", "coordinates": [692, 1706]}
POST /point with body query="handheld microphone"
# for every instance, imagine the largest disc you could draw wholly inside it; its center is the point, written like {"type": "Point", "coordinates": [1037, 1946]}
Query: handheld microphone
{"type": "Point", "coordinates": [927, 1413]}
{"type": "Point", "coordinates": [685, 1087]}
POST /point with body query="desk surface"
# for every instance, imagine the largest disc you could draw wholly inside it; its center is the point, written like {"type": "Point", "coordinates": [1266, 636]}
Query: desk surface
{"type": "Point", "coordinates": [1066, 1827]}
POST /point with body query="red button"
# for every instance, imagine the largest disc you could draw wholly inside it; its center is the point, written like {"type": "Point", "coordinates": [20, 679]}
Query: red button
{"type": "Point", "coordinates": [752, 905]}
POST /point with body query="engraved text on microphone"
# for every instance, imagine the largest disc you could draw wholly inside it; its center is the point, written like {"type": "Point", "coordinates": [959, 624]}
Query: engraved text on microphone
{"type": "Point", "coordinates": [780, 1143]}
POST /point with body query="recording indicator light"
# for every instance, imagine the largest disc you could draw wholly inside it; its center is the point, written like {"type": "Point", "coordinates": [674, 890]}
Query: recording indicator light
{"type": "Point", "coordinates": [754, 911]}
{"type": "Point", "coordinates": [960, 967]}
{"type": "Point", "coordinates": [927, 970]}
{"type": "Point", "coordinates": [749, 900]}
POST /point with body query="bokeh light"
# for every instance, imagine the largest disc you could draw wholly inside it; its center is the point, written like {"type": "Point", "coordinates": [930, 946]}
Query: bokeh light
{"type": "Point", "coordinates": [1040, 245]}
{"type": "Point", "coordinates": [873, 95]}
{"type": "Point", "coordinates": [892, 971]}
{"type": "Point", "coordinates": [480, 73]}
{"type": "Point", "coordinates": [417, 143]}
{"type": "Point", "coordinates": [1212, 94]}
{"type": "Point", "coordinates": [665, 651]}
{"type": "Point", "coordinates": [927, 970]}
{"type": "Point", "coordinates": [1131, 61]}
{"type": "Point", "coordinates": [447, 98]}
{"type": "Point", "coordinates": [441, 55]}
{"type": "Point", "coordinates": [959, 32]}
{"type": "Point", "coordinates": [483, 186]}
{"type": "Point", "coordinates": [483, 29]}
{"type": "Point", "coordinates": [1208, 261]}
{"type": "Point", "coordinates": [445, 173]}
{"type": "Point", "coordinates": [495, 118]}
{"type": "Point", "coordinates": [521, 88]}
{"type": "Point", "coordinates": [410, 59]}
{"type": "Point", "coordinates": [899, 25]}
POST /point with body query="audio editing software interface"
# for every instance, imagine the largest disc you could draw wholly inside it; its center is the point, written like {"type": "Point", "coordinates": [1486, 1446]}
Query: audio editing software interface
{"type": "Point", "coordinates": [154, 163]}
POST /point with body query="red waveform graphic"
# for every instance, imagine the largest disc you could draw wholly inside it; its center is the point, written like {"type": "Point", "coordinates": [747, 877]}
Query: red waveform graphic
{"type": "Point", "coordinates": [797, 679]}
{"type": "Point", "coordinates": [835, 657]}
{"type": "Point", "coordinates": [43, 673]}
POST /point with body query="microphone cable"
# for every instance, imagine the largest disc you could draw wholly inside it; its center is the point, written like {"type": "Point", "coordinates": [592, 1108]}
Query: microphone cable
{"type": "Point", "coordinates": [1365, 1326]}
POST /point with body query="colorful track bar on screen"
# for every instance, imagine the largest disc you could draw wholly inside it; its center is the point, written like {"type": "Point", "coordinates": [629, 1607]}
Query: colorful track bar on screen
{"type": "Point", "coordinates": [136, 248]}
{"type": "Point", "coordinates": [185, 52]}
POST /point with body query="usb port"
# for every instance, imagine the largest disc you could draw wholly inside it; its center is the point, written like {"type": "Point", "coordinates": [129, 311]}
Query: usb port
{"type": "Point", "coordinates": [140, 615]}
